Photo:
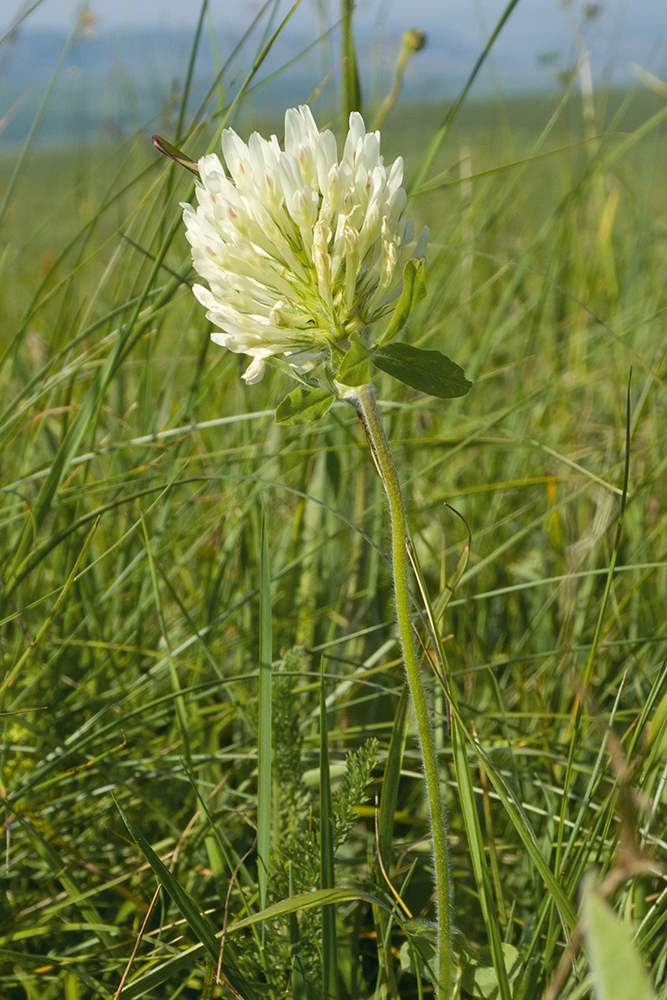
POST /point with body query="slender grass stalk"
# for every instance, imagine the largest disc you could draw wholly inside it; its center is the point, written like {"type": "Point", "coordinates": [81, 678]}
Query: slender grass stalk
{"type": "Point", "coordinates": [413, 40]}
{"type": "Point", "coordinates": [351, 86]}
{"type": "Point", "coordinates": [439, 137]}
{"type": "Point", "coordinates": [327, 873]}
{"type": "Point", "coordinates": [19, 166]}
{"type": "Point", "coordinates": [264, 739]}
{"type": "Point", "coordinates": [366, 405]}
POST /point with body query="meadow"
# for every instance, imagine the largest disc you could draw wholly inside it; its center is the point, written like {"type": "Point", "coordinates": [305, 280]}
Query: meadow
{"type": "Point", "coordinates": [157, 524]}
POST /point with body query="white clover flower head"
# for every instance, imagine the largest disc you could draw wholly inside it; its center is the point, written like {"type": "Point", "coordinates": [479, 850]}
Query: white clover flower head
{"type": "Point", "coordinates": [298, 248]}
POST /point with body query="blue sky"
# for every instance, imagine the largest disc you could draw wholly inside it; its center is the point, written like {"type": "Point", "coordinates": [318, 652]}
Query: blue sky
{"type": "Point", "coordinates": [543, 16]}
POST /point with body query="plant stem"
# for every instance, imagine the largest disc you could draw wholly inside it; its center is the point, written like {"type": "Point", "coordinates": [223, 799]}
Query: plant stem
{"type": "Point", "coordinates": [366, 406]}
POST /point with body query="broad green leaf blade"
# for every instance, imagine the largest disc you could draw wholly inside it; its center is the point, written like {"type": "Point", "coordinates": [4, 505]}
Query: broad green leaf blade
{"type": "Point", "coordinates": [355, 368]}
{"type": "Point", "coordinates": [414, 292]}
{"type": "Point", "coordinates": [429, 371]}
{"type": "Point", "coordinates": [481, 980]}
{"type": "Point", "coordinates": [198, 922]}
{"type": "Point", "coordinates": [616, 966]}
{"type": "Point", "coordinates": [264, 734]}
{"type": "Point", "coordinates": [329, 964]}
{"type": "Point", "coordinates": [303, 405]}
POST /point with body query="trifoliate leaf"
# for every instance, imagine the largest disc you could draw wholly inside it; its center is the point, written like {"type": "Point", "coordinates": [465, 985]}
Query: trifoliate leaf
{"type": "Point", "coordinates": [616, 965]}
{"type": "Point", "coordinates": [417, 953]}
{"type": "Point", "coordinates": [481, 980]}
{"type": "Point", "coordinates": [414, 292]}
{"type": "Point", "coordinates": [429, 371]}
{"type": "Point", "coordinates": [355, 368]}
{"type": "Point", "coordinates": [303, 405]}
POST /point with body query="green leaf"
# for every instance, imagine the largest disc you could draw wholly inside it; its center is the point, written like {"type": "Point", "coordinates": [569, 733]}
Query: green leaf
{"type": "Point", "coordinates": [616, 966]}
{"type": "Point", "coordinates": [418, 951]}
{"type": "Point", "coordinates": [481, 980]}
{"type": "Point", "coordinates": [414, 292]}
{"type": "Point", "coordinates": [303, 405]}
{"type": "Point", "coordinates": [429, 371]}
{"type": "Point", "coordinates": [355, 368]}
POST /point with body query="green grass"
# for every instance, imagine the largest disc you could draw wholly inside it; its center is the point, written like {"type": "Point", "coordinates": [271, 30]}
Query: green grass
{"type": "Point", "coordinates": [135, 464]}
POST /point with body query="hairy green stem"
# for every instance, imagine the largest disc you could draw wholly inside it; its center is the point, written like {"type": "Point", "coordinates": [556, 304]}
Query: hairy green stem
{"type": "Point", "coordinates": [367, 408]}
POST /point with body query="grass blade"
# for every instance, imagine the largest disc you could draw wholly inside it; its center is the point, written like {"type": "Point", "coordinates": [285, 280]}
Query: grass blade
{"type": "Point", "coordinates": [264, 733]}
{"type": "Point", "coordinates": [388, 800]}
{"type": "Point", "coordinates": [478, 858]}
{"type": "Point", "coordinates": [391, 778]}
{"type": "Point", "coordinates": [199, 923]}
{"type": "Point", "coordinates": [327, 878]}
{"type": "Point", "coordinates": [61, 870]}
{"type": "Point", "coordinates": [351, 87]}
{"type": "Point", "coordinates": [439, 137]}
{"type": "Point", "coordinates": [286, 907]}
{"type": "Point", "coordinates": [298, 979]}
{"type": "Point", "coordinates": [505, 793]}
{"type": "Point", "coordinates": [20, 163]}
{"type": "Point", "coordinates": [179, 701]}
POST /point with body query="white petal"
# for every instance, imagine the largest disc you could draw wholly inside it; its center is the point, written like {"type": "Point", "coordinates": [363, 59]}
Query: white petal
{"type": "Point", "coordinates": [255, 371]}
{"type": "Point", "coordinates": [220, 338]}
{"type": "Point", "coordinates": [325, 158]}
{"type": "Point", "coordinates": [354, 138]}
{"type": "Point", "coordinates": [211, 172]}
{"type": "Point", "coordinates": [235, 153]}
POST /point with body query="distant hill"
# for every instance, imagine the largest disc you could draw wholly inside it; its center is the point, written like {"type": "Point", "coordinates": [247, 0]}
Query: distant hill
{"type": "Point", "coordinates": [120, 81]}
